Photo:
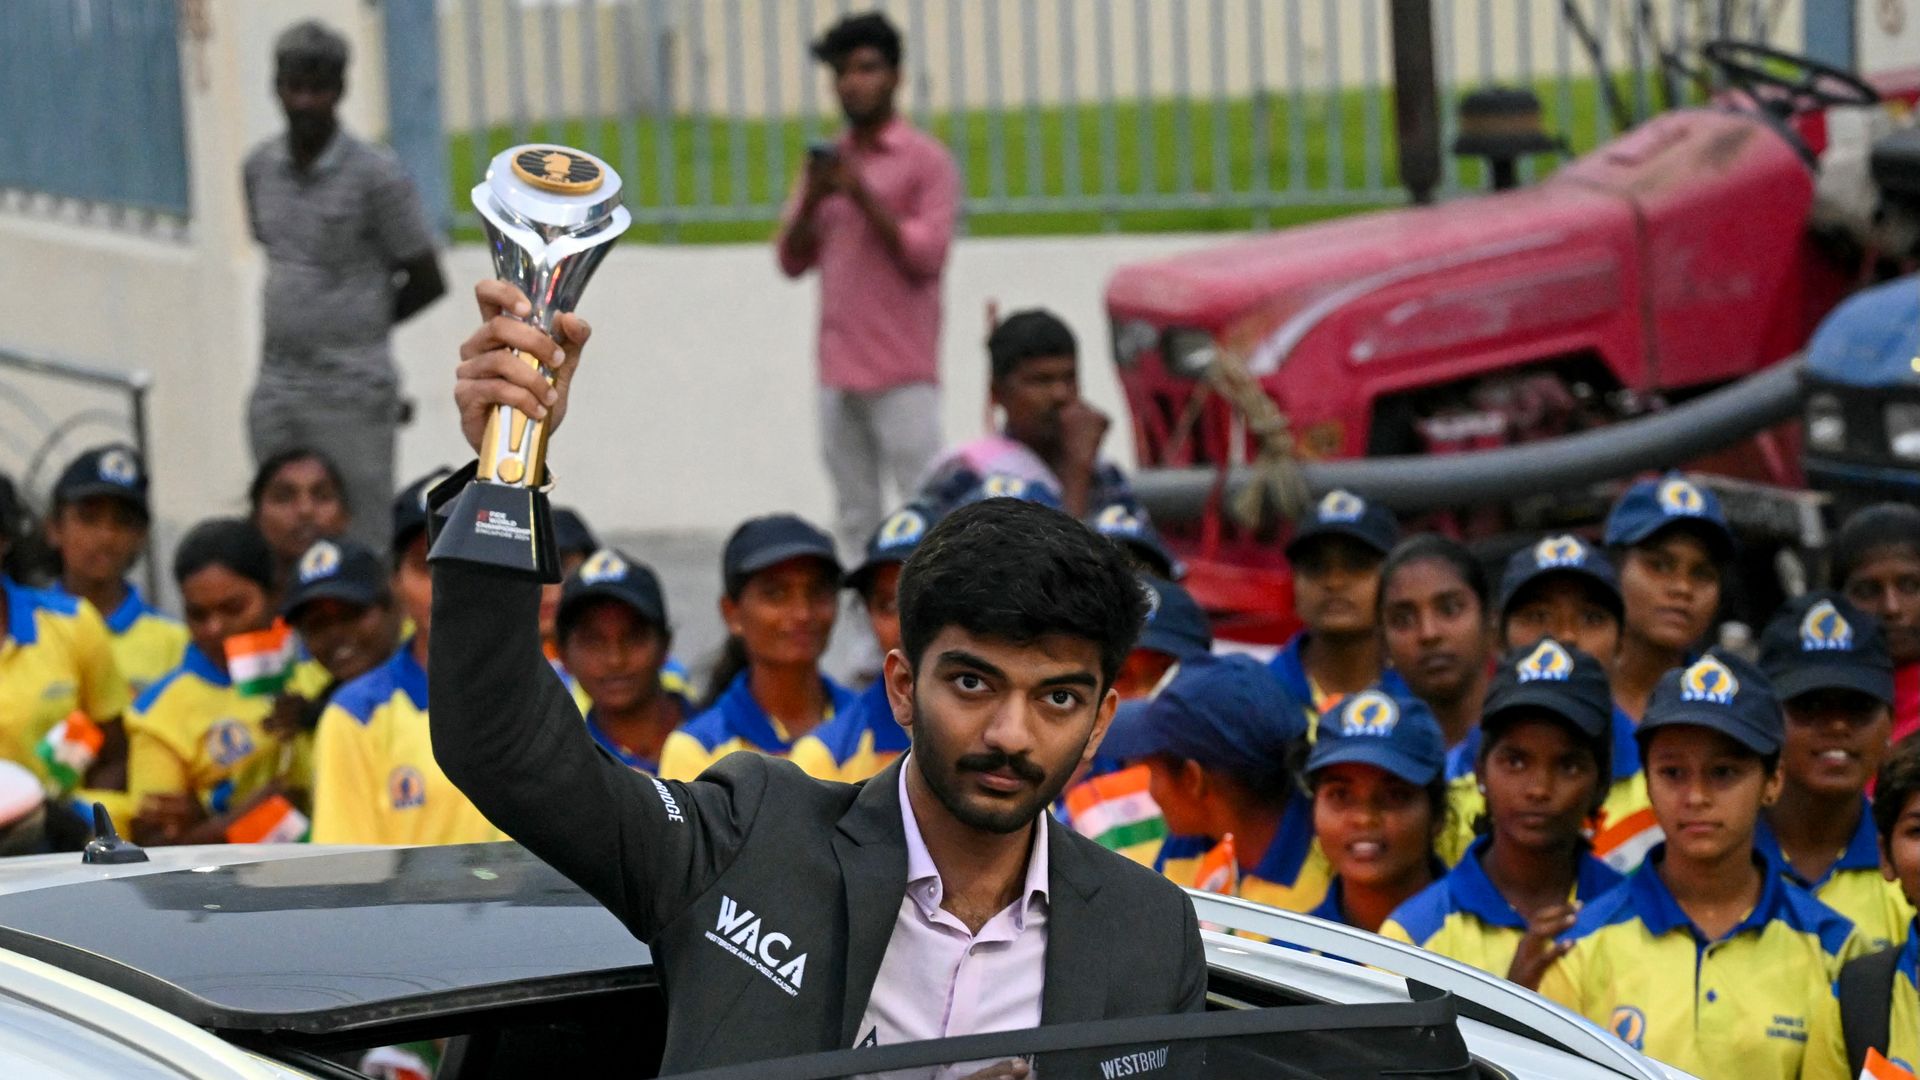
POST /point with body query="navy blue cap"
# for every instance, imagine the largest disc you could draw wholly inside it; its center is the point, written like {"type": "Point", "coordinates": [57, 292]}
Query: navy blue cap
{"type": "Point", "coordinates": [1129, 526]}
{"type": "Point", "coordinates": [768, 541]}
{"type": "Point", "coordinates": [1175, 624]}
{"type": "Point", "coordinates": [1720, 692]}
{"type": "Point", "coordinates": [1568, 555]}
{"type": "Point", "coordinates": [1224, 712]}
{"type": "Point", "coordinates": [1009, 486]}
{"type": "Point", "coordinates": [612, 575]}
{"type": "Point", "coordinates": [336, 570]}
{"type": "Point", "coordinates": [410, 508]}
{"type": "Point", "coordinates": [1554, 678]}
{"type": "Point", "coordinates": [894, 541]}
{"type": "Point", "coordinates": [1819, 641]}
{"type": "Point", "coordinates": [1653, 505]}
{"type": "Point", "coordinates": [570, 533]}
{"type": "Point", "coordinates": [113, 471]}
{"type": "Point", "coordinates": [1388, 731]}
{"type": "Point", "coordinates": [1342, 513]}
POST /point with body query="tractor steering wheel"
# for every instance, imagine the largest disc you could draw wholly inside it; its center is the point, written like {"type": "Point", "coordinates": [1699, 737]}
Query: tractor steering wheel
{"type": "Point", "coordinates": [1777, 78]}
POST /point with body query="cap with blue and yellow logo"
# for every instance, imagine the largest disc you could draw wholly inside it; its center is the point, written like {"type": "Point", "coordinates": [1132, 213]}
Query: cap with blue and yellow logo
{"type": "Point", "coordinates": [1671, 501]}
{"type": "Point", "coordinates": [1556, 556]}
{"type": "Point", "coordinates": [1388, 731]}
{"type": "Point", "coordinates": [1553, 678]}
{"type": "Point", "coordinates": [1342, 513]}
{"type": "Point", "coordinates": [1720, 692]}
{"type": "Point", "coordinates": [1820, 641]}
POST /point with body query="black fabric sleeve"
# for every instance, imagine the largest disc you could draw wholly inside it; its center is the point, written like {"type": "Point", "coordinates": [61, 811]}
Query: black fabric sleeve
{"type": "Point", "coordinates": [1193, 963]}
{"type": "Point", "coordinates": [506, 732]}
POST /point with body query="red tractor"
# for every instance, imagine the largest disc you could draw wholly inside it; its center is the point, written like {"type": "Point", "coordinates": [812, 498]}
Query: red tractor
{"type": "Point", "coordinates": [1694, 251]}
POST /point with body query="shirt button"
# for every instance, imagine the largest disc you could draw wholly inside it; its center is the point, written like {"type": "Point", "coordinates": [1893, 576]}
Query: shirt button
{"type": "Point", "coordinates": [1712, 997]}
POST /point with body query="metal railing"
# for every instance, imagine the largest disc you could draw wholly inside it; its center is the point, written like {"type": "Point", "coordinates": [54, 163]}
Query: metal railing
{"type": "Point", "coordinates": [94, 111]}
{"type": "Point", "coordinates": [1063, 115]}
{"type": "Point", "coordinates": [51, 411]}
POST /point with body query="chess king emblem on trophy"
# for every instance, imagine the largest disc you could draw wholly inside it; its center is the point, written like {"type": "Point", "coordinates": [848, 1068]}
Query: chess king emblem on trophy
{"type": "Point", "coordinates": [551, 215]}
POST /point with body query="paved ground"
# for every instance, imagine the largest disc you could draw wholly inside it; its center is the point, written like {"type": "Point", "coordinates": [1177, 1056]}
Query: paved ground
{"type": "Point", "coordinates": [689, 567]}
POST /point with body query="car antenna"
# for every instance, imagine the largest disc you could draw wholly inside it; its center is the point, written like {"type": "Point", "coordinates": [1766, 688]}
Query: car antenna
{"type": "Point", "coordinates": [106, 847]}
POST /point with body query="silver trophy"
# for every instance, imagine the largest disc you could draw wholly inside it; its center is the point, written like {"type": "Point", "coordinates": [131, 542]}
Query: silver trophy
{"type": "Point", "coordinates": [551, 213]}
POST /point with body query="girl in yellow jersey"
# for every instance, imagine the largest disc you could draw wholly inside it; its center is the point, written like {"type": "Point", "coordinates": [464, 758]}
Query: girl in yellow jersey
{"type": "Point", "coordinates": [1545, 742]}
{"type": "Point", "coordinates": [1828, 661]}
{"type": "Point", "coordinates": [199, 752]}
{"type": "Point", "coordinates": [1217, 742]}
{"type": "Point", "coordinates": [1705, 957]}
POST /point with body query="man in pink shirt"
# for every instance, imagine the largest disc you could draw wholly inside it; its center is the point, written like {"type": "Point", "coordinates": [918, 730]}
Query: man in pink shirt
{"type": "Point", "coordinates": [873, 212]}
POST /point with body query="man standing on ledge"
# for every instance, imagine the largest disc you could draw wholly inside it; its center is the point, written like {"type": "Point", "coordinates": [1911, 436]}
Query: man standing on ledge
{"type": "Point", "coordinates": [874, 211]}
{"type": "Point", "coordinates": [349, 254]}
{"type": "Point", "coordinates": [789, 915]}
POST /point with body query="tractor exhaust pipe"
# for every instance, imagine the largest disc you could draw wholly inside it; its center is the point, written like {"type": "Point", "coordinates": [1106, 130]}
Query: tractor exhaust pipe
{"type": "Point", "coordinates": [1414, 483]}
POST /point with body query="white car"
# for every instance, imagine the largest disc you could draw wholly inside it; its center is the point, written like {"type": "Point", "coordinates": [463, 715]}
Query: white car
{"type": "Point", "coordinates": [276, 961]}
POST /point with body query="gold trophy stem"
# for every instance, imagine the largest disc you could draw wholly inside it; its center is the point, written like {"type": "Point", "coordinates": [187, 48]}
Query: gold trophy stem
{"type": "Point", "coordinates": [519, 459]}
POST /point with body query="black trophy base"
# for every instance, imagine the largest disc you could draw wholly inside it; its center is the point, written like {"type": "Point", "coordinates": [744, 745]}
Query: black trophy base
{"type": "Point", "coordinates": [507, 528]}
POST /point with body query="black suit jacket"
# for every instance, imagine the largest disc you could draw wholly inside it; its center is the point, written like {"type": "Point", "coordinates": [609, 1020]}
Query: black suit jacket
{"type": "Point", "coordinates": [768, 897]}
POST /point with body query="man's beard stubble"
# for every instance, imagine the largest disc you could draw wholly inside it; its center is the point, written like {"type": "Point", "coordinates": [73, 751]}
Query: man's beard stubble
{"type": "Point", "coordinates": [945, 778]}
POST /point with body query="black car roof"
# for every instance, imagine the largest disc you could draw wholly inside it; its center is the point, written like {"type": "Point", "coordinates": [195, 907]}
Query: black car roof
{"type": "Point", "coordinates": [332, 942]}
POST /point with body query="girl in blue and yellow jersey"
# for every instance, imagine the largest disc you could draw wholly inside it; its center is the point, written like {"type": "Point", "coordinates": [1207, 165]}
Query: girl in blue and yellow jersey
{"type": "Point", "coordinates": [1896, 819]}
{"type": "Point", "coordinates": [1335, 554]}
{"type": "Point", "coordinates": [56, 659]}
{"type": "Point", "coordinates": [1706, 957]}
{"type": "Point", "coordinates": [1219, 742]}
{"type": "Point", "coordinates": [614, 636]}
{"type": "Point", "coordinates": [375, 777]}
{"type": "Point", "coordinates": [1829, 664]}
{"type": "Point", "coordinates": [864, 739]}
{"type": "Point", "coordinates": [199, 752]}
{"type": "Point", "coordinates": [782, 591]}
{"type": "Point", "coordinates": [1545, 741]}
{"type": "Point", "coordinates": [1379, 801]}
{"type": "Point", "coordinates": [98, 527]}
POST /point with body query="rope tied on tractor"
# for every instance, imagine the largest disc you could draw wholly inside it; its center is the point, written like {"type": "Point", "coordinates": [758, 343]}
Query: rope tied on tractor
{"type": "Point", "coordinates": [1277, 486]}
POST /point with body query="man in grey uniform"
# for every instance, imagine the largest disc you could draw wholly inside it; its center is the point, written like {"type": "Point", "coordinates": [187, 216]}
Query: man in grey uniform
{"type": "Point", "coordinates": [349, 254]}
{"type": "Point", "coordinates": [789, 915]}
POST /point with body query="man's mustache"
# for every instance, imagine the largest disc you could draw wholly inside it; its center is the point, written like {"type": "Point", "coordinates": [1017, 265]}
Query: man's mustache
{"type": "Point", "coordinates": [996, 761]}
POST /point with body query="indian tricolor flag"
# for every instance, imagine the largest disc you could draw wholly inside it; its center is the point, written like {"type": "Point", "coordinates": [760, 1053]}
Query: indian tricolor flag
{"type": "Point", "coordinates": [69, 749]}
{"type": "Point", "coordinates": [1879, 1068]}
{"type": "Point", "coordinates": [1115, 810]}
{"type": "Point", "coordinates": [273, 821]}
{"type": "Point", "coordinates": [258, 663]}
{"type": "Point", "coordinates": [1624, 844]}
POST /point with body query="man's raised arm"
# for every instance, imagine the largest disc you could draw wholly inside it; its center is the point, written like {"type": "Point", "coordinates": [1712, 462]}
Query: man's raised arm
{"type": "Point", "coordinates": [505, 730]}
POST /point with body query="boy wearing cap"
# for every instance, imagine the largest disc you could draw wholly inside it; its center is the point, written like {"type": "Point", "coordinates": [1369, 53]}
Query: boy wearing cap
{"type": "Point", "coordinates": [782, 589]}
{"type": "Point", "coordinates": [860, 741]}
{"type": "Point", "coordinates": [1379, 802]}
{"type": "Point", "coordinates": [1844, 1027]}
{"type": "Point", "coordinates": [1336, 554]}
{"type": "Point", "coordinates": [1545, 739]}
{"type": "Point", "coordinates": [98, 525]}
{"type": "Point", "coordinates": [1217, 741]}
{"type": "Point", "coordinates": [614, 637]}
{"type": "Point", "coordinates": [1706, 956]}
{"type": "Point", "coordinates": [1672, 544]}
{"type": "Point", "coordinates": [1829, 666]}
{"type": "Point", "coordinates": [375, 777]}
{"type": "Point", "coordinates": [1564, 588]}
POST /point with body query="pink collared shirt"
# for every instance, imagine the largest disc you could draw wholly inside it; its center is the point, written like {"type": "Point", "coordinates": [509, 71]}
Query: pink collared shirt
{"type": "Point", "coordinates": [880, 318]}
{"type": "Point", "coordinates": [938, 978]}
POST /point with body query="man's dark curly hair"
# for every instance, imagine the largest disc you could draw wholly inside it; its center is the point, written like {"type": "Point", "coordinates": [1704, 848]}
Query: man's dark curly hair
{"type": "Point", "coordinates": [1016, 571]}
{"type": "Point", "coordinates": [1898, 782]}
{"type": "Point", "coordinates": [856, 31]}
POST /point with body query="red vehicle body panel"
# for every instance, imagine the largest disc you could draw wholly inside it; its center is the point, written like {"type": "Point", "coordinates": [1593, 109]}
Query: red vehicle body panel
{"type": "Point", "coordinates": [1677, 258]}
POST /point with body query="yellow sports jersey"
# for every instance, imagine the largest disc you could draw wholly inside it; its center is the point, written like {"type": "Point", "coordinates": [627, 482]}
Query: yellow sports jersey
{"type": "Point", "coordinates": [1292, 875]}
{"type": "Point", "coordinates": [146, 644]}
{"type": "Point", "coordinates": [56, 659]}
{"type": "Point", "coordinates": [193, 733]}
{"type": "Point", "coordinates": [1744, 1003]}
{"type": "Point", "coordinates": [376, 781]}
{"type": "Point", "coordinates": [1827, 1048]}
{"type": "Point", "coordinates": [857, 743]}
{"type": "Point", "coordinates": [1853, 886]}
{"type": "Point", "coordinates": [736, 722]}
{"type": "Point", "coordinates": [1463, 915]}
